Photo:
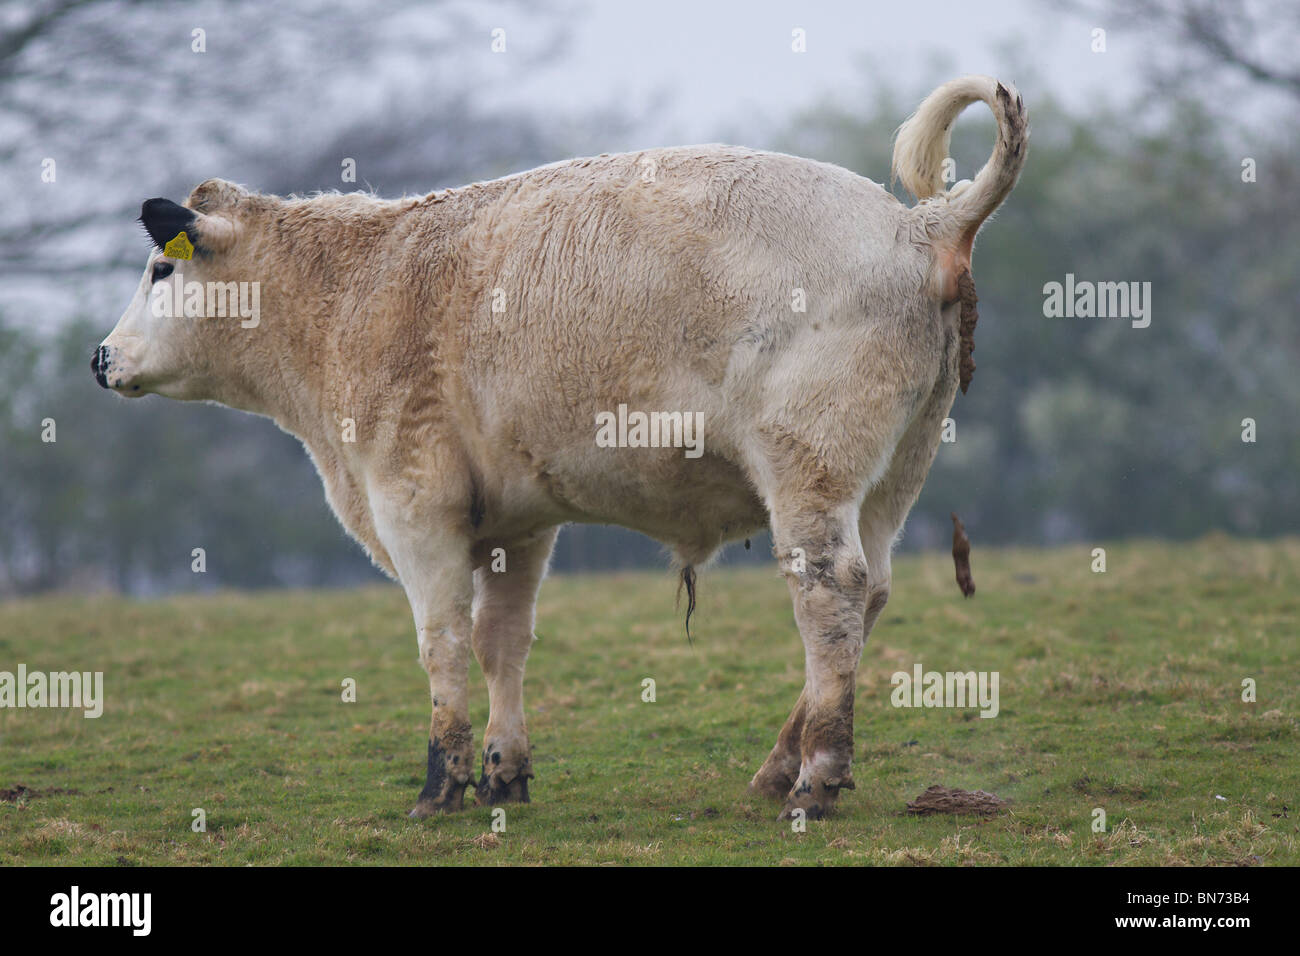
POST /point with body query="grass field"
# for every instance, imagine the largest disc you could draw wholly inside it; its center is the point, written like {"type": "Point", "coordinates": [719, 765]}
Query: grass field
{"type": "Point", "coordinates": [1120, 691]}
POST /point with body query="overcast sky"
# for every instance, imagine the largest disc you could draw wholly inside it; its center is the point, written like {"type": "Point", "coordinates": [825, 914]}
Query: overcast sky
{"type": "Point", "coordinates": [726, 64]}
{"type": "Point", "coordinates": [678, 71]}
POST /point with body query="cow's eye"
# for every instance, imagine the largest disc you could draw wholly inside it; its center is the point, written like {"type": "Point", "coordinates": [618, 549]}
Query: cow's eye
{"type": "Point", "coordinates": [161, 270]}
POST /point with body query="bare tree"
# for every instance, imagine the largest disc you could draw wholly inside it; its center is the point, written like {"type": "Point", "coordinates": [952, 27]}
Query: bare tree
{"type": "Point", "coordinates": [126, 95]}
{"type": "Point", "coordinates": [1199, 42]}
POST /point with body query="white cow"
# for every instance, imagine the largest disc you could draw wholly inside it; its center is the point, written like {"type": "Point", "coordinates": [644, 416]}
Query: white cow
{"type": "Point", "coordinates": [471, 369]}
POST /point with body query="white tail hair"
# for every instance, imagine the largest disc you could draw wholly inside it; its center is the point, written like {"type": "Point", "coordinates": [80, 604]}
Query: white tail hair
{"type": "Point", "coordinates": [921, 146]}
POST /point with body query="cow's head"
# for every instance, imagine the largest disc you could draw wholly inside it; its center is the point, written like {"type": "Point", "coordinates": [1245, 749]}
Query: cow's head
{"type": "Point", "coordinates": [171, 337]}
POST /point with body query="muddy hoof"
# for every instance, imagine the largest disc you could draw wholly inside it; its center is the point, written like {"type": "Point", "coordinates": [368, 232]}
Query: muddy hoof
{"type": "Point", "coordinates": [507, 768]}
{"type": "Point", "coordinates": [444, 786]}
{"type": "Point", "coordinates": [493, 790]}
{"type": "Point", "coordinates": [451, 800]}
{"type": "Point", "coordinates": [816, 800]}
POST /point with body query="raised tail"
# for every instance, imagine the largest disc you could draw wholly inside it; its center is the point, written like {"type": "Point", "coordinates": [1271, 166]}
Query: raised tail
{"type": "Point", "coordinates": [921, 146]}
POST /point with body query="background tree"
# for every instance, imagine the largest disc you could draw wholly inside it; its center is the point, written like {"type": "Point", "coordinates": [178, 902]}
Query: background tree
{"type": "Point", "coordinates": [1073, 429]}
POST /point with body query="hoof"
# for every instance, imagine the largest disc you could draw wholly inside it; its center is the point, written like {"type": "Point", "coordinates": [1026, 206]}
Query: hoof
{"type": "Point", "coordinates": [771, 783]}
{"type": "Point", "coordinates": [444, 788]}
{"type": "Point", "coordinates": [493, 790]}
{"type": "Point", "coordinates": [506, 772]}
{"type": "Point", "coordinates": [450, 801]}
{"type": "Point", "coordinates": [816, 800]}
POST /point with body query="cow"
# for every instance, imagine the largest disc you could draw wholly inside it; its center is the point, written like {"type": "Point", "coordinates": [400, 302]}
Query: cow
{"type": "Point", "coordinates": [452, 362]}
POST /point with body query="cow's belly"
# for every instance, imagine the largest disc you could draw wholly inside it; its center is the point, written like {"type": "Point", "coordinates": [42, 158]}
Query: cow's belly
{"type": "Point", "coordinates": [693, 505]}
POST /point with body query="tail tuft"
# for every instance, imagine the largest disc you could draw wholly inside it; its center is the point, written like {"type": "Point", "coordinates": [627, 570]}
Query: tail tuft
{"type": "Point", "coordinates": [688, 580]}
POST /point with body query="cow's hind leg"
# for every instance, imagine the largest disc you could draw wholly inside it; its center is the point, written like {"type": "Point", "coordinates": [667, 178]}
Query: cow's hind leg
{"type": "Point", "coordinates": [781, 769]}
{"type": "Point", "coordinates": [505, 599]}
{"type": "Point", "coordinates": [881, 518]}
{"type": "Point", "coordinates": [820, 553]}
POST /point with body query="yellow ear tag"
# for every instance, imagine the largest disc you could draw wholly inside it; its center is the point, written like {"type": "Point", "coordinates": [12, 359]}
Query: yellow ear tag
{"type": "Point", "coordinates": [180, 247]}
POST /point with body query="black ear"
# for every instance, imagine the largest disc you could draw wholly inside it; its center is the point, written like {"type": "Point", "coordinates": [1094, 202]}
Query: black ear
{"type": "Point", "coordinates": [163, 220]}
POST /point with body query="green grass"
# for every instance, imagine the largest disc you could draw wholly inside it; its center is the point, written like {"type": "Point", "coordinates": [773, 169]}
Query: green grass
{"type": "Point", "coordinates": [1119, 690]}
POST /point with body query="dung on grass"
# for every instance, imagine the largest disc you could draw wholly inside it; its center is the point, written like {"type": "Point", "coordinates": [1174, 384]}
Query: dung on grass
{"type": "Point", "coordinates": [937, 799]}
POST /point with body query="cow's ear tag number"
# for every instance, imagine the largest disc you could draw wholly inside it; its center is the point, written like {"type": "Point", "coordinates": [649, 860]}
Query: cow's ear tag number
{"type": "Point", "coordinates": [180, 247]}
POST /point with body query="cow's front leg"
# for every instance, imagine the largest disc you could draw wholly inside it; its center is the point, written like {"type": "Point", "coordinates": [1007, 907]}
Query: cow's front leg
{"type": "Point", "coordinates": [444, 653]}
{"type": "Point", "coordinates": [505, 599]}
{"type": "Point", "coordinates": [430, 550]}
{"type": "Point", "coordinates": [820, 553]}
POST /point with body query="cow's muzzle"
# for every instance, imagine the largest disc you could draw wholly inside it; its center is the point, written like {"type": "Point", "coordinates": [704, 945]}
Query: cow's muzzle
{"type": "Point", "coordinates": [99, 365]}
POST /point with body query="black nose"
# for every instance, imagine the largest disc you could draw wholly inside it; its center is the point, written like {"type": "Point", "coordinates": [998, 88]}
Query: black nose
{"type": "Point", "coordinates": [99, 365]}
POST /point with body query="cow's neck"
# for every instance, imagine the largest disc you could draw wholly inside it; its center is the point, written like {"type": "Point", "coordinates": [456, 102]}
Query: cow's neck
{"type": "Point", "coordinates": [296, 386]}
